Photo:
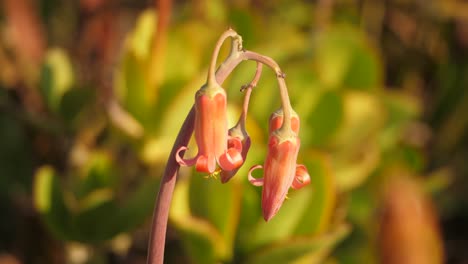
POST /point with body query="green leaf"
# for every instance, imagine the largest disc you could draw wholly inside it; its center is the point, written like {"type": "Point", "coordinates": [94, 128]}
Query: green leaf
{"type": "Point", "coordinates": [56, 77]}
{"type": "Point", "coordinates": [138, 205]}
{"type": "Point", "coordinates": [242, 20]}
{"type": "Point", "coordinates": [132, 89]}
{"type": "Point", "coordinates": [283, 224]}
{"type": "Point", "coordinates": [98, 173]}
{"type": "Point", "coordinates": [364, 70]}
{"type": "Point", "coordinates": [326, 117]}
{"type": "Point", "coordinates": [318, 215]}
{"type": "Point", "coordinates": [95, 219]}
{"type": "Point", "coordinates": [49, 202]}
{"type": "Point", "coordinates": [74, 102]}
{"type": "Point", "coordinates": [344, 59]}
{"type": "Point", "coordinates": [333, 54]}
{"type": "Point", "coordinates": [201, 239]}
{"type": "Point", "coordinates": [355, 166]}
{"type": "Point", "coordinates": [140, 40]}
{"type": "Point", "coordinates": [218, 204]}
{"type": "Point", "coordinates": [199, 246]}
{"type": "Point", "coordinates": [300, 249]}
{"type": "Point", "coordinates": [364, 116]}
{"type": "Point", "coordinates": [401, 109]}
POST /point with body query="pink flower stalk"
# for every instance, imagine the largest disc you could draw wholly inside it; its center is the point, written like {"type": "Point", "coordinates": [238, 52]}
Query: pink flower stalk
{"type": "Point", "coordinates": [238, 134]}
{"type": "Point", "coordinates": [228, 149]}
{"type": "Point", "coordinates": [280, 169]}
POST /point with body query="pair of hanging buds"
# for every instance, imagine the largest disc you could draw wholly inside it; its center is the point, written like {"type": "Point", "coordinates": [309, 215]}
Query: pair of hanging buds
{"type": "Point", "coordinates": [228, 148]}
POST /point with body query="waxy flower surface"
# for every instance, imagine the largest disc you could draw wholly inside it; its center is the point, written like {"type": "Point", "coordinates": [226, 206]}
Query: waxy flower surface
{"type": "Point", "coordinates": [227, 149]}
{"type": "Point", "coordinates": [238, 139]}
{"type": "Point", "coordinates": [280, 171]}
{"type": "Point", "coordinates": [211, 133]}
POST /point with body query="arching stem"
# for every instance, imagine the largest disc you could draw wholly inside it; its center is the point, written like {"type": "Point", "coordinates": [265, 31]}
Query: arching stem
{"type": "Point", "coordinates": [214, 58]}
{"type": "Point", "coordinates": [248, 90]}
{"type": "Point", "coordinates": [163, 201]}
{"type": "Point", "coordinates": [250, 55]}
{"type": "Point", "coordinates": [157, 238]}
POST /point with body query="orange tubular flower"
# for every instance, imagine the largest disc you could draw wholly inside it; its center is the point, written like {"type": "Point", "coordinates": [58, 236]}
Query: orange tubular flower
{"type": "Point", "coordinates": [238, 139]}
{"type": "Point", "coordinates": [211, 133]}
{"type": "Point", "coordinates": [280, 169]}
{"type": "Point", "coordinates": [238, 136]}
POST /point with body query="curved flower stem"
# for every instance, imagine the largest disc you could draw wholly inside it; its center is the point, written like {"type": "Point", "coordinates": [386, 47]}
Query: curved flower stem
{"type": "Point", "coordinates": [248, 90]}
{"type": "Point", "coordinates": [228, 33]}
{"type": "Point", "coordinates": [157, 238]}
{"type": "Point", "coordinates": [250, 55]}
{"type": "Point", "coordinates": [163, 201]}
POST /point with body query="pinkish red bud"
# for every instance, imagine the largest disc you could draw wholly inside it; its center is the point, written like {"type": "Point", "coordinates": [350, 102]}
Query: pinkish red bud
{"type": "Point", "coordinates": [276, 120]}
{"type": "Point", "coordinates": [279, 172]}
{"type": "Point", "coordinates": [280, 169]}
{"type": "Point", "coordinates": [238, 142]}
{"type": "Point", "coordinates": [302, 177]}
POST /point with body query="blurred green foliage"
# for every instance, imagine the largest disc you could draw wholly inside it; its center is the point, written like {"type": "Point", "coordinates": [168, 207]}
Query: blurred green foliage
{"type": "Point", "coordinates": [90, 159]}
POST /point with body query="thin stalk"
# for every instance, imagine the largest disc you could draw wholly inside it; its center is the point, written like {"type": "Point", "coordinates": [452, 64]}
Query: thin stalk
{"type": "Point", "coordinates": [211, 71]}
{"type": "Point", "coordinates": [248, 90]}
{"type": "Point", "coordinates": [163, 201]}
{"type": "Point", "coordinates": [157, 238]}
{"type": "Point", "coordinates": [250, 55]}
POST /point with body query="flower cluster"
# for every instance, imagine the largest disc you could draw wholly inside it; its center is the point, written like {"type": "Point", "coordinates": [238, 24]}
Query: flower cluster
{"type": "Point", "coordinates": [227, 149]}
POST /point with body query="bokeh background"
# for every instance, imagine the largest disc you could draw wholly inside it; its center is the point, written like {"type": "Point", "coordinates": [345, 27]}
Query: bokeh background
{"type": "Point", "coordinates": [93, 92]}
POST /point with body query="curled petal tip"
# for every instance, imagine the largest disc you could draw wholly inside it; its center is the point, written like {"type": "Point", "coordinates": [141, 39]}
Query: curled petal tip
{"type": "Point", "coordinates": [255, 181]}
{"type": "Point", "coordinates": [231, 159]}
{"type": "Point", "coordinates": [235, 142]}
{"type": "Point", "coordinates": [182, 161]}
{"type": "Point", "coordinates": [302, 177]}
{"type": "Point", "coordinates": [205, 164]}
{"type": "Point", "coordinates": [243, 147]}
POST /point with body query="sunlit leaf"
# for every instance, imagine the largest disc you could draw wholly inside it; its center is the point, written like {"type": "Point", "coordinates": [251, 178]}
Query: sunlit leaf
{"type": "Point", "coordinates": [49, 201]}
{"type": "Point", "coordinates": [326, 117]}
{"type": "Point", "coordinates": [139, 42]}
{"type": "Point", "coordinates": [204, 243]}
{"type": "Point", "coordinates": [56, 77]}
{"type": "Point", "coordinates": [364, 115]}
{"type": "Point", "coordinates": [298, 249]}
{"type": "Point", "coordinates": [364, 71]}
{"type": "Point", "coordinates": [318, 215]}
{"type": "Point", "coordinates": [356, 166]}
{"type": "Point", "coordinates": [283, 224]}
{"type": "Point", "coordinates": [98, 173]}
{"type": "Point", "coordinates": [333, 55]}
{"type": "Point", "coordinates": [217, 203]}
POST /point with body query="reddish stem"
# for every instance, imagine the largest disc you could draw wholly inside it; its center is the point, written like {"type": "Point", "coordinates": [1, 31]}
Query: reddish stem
{"type": "Point", "coordinates": [163, 202]}
{"type": "Point", "coordinates": [157, 239]}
